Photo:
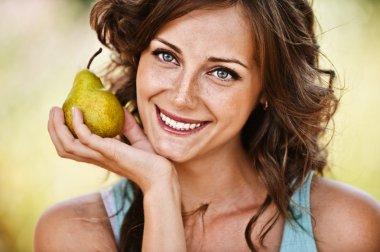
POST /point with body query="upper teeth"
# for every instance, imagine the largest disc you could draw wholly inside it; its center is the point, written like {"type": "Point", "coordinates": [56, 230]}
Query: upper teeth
{"type": "Point", "coordinates": [178, 125]}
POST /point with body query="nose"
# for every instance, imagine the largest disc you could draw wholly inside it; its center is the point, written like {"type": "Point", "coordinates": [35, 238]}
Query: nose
{"type": "Point", "coordinates": [185, 91]}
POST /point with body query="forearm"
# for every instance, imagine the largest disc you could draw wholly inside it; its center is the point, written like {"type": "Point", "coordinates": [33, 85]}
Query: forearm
{"type": "Point", "coordinates": [163, 229]}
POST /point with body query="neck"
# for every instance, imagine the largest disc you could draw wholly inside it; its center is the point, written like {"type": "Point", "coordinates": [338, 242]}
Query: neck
{"type": "Point", "coordinates": [225, 182]}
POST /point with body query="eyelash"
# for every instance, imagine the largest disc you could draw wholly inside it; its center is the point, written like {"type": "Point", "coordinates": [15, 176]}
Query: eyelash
{"type": "Point", "coordinates": [233, 74]}
{"type": "Point", "coordinates": [163, 51]}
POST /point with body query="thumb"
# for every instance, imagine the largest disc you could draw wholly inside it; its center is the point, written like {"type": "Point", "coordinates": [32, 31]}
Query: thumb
{"type": "Point", "coordinates": [134, 133]}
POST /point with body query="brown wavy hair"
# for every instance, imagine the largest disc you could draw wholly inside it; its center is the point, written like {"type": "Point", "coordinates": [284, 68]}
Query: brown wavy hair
{"type": "Point", "coordinates": [284, 141]}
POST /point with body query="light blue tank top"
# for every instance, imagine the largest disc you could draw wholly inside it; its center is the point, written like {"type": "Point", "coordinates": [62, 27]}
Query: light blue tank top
{"type": "Point", "coordinates": [297, 235]}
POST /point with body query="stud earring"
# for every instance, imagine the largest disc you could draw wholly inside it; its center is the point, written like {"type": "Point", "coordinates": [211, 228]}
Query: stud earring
{"type": "Point", "coordinates": [266, 105]}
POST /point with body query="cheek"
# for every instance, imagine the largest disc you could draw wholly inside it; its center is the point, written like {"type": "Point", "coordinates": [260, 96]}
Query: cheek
{"type": "Point", "coordinates": [146, 80]}
{"type": "Point", "coordinates": [152, 79]}
{"type": "Point", "coordinates": [236, 106]}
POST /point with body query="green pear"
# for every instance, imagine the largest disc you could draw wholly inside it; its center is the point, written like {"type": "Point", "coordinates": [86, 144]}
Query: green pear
{"type": "Point", "coordinates": [102, 111]}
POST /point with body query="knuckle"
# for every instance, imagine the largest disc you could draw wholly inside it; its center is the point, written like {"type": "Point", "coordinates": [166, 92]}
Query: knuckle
{"type": "Point", "coordinates": [113, 152]}
{"type": "Point", "coordinates": [68, 145]}
{"type": "Point", "coordinates": [61, 153]}
{"type": "Point", "coordinates": [68, 148]}
{"type": "Point", "coordinates": [83, 137]}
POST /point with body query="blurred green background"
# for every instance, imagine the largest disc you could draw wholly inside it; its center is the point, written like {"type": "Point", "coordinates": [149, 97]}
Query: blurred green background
{"type": "Point", "coordinates": [43, 43]}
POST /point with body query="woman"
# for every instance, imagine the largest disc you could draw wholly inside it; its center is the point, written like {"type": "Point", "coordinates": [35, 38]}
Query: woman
{"type": "Point", "coordinates": [233, 106]}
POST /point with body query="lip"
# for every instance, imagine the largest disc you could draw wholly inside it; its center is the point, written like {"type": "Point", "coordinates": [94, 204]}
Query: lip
{"type": "Point", "coordinates": [179, 119]}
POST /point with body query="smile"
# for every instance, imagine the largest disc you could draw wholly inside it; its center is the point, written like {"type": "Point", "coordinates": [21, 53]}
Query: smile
{"type": "Point", "coordinates": [179, 125]}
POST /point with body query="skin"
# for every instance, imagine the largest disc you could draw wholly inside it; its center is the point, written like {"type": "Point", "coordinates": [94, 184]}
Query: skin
{"type": "Point", "coordinates": [188, 86]}
{"type": "Point", "coordinates": [187, 170]}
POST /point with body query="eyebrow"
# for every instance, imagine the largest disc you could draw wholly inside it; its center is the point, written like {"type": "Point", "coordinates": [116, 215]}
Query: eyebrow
{"type": "Point", "coordinates": [211, 59]}
{"type": "Point", "coordinates": [175, 48]}
{"type": "Point", "coordinates": [215, 59]}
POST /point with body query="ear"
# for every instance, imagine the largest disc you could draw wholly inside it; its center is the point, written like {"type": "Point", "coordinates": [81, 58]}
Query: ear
{"type": "Point", "coordinates": [262, 98]}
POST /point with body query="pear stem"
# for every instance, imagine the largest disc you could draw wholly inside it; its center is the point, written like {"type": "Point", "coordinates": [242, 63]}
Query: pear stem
{"type": "Point", "coordinates": [93, 57]}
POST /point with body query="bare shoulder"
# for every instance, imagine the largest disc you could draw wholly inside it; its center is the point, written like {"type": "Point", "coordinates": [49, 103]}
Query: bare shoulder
{"type": "Point", "coordinates": [79, 224]}
{"type": "Point", "coordinates": [347, 219]}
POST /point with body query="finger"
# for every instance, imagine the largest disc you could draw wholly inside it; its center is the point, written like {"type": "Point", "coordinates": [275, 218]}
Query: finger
{"type": "Point", "coordinates": [134, 133]}
{"type": "Point", "coordinates": [67, 155]}
{"type": "Point", "coordinates": [87, 138]}
{"type": "Point", "coordinates": [127, 160]}
{"type": "Point", "coordinates": [53, 136]}
{"type": "Point", "coordinates": [92, 141]}
{"type": "Point", "coordinates": [61, 150]}
{"type": "Point", "coordinates": [68, 146]}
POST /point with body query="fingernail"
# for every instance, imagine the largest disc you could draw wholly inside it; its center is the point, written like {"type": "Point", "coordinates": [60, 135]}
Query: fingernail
{"type": "Point", "coordinates": [74, 111]}
{"type": "Point", "coordinates": [52, 111]}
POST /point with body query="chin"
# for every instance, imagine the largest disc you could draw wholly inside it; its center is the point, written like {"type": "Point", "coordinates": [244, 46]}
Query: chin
{"type": "Point", "coordinates": [173, 154]}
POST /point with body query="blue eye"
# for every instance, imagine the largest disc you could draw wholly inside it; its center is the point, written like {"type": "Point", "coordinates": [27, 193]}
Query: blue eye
{"type": "Point", "coordinates": [165, 56]}
{"type": "Point", "coordinates": [225, 74]}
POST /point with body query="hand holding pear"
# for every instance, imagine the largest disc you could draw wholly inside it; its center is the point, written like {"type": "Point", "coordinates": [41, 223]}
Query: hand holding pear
{"type": "Point", "coordinates": [102, 112]}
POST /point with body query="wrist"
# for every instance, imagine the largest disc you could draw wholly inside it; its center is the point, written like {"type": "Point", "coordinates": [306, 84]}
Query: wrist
{"type": "Point", "coordinates": [163, 228]}
{"type": "Point", "coordinates": [167, 188]}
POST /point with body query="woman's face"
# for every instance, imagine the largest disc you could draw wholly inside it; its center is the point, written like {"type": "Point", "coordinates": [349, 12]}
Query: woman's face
{"type": "Point", "coordinates": [197, 83]}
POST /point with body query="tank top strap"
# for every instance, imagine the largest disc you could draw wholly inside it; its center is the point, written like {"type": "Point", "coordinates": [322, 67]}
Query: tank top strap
{"type": "Point", "coordinates": [116, 203]}
{"type": "Point", "coordinates": [298, 233]}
